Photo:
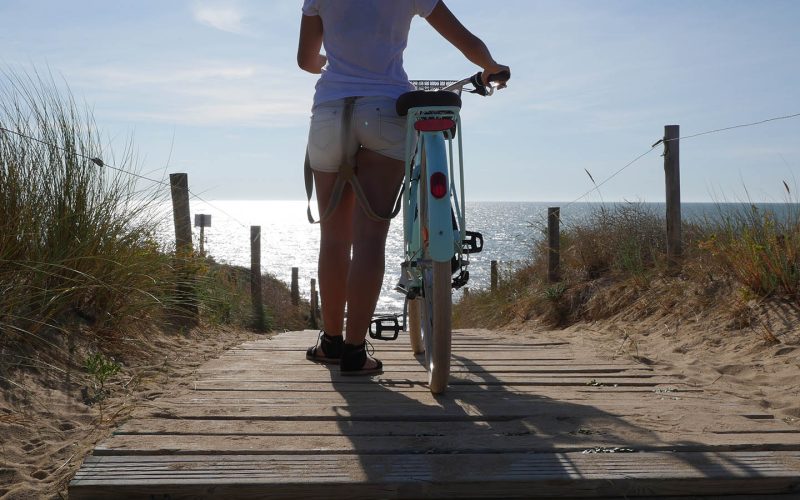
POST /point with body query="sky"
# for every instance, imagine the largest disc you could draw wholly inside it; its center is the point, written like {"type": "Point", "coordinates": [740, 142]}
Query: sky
{"type": "Point", "coordinates": [211, 88]}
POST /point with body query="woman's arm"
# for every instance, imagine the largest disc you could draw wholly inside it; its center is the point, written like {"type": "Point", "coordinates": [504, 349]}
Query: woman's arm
{"type": "Point", "coordinates": [470, 45]}
{"type": "Point", "coordinates": [308, 56]}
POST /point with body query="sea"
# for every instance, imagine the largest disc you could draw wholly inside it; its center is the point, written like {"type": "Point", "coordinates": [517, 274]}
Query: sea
{"type": "Point", "coordinates": [510, 230]}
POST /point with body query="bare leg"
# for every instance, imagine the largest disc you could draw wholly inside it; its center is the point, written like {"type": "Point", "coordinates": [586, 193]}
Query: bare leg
{"type": "Point", "coordinates": [380, 178]}
{"type": "Point", "coordinates": [336, 240]}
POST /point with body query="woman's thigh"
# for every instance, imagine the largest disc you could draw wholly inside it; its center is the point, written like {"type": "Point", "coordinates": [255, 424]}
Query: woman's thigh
{"type": "Point", "coordinates": [380, 178]}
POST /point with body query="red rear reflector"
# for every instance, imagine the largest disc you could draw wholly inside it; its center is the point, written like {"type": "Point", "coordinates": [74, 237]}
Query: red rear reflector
{"type": "Point", "coordinates": [438, 185]}
{"type": "Point", "coordinates": [434, 125]}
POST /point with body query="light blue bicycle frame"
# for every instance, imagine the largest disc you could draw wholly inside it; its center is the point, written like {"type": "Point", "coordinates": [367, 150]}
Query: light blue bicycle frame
{"type": "Point", "coordinates": [443, 241]}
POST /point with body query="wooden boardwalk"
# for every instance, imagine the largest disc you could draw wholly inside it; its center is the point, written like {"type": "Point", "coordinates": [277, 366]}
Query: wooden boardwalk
{"type": "Point", "coordinates": [522, 418]}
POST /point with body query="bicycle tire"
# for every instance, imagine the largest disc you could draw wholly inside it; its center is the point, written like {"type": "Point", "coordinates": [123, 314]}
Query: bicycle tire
{"type": "Point", "coordinates": [437, 300]}
{"type": "Point", "coordinates": [436, 327]}
{"type": "Point", "coordinates": [414, 321]}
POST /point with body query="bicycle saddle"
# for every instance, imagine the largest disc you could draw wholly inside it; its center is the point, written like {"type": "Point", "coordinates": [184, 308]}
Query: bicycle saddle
{"type": "Point", "coordinates": [420, 98]}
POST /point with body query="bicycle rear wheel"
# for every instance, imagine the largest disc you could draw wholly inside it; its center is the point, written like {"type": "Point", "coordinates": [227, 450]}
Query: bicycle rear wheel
{"type": "Point", "coordinates": [414, 320]}
{"type": "Point", "coordinates": [437, 304]}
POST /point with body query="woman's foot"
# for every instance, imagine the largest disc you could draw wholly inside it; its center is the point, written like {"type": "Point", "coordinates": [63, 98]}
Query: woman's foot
{"type": "Point", "coordinates": [327, 350]}
{"type": "Point", "coordinates": [356, 362]}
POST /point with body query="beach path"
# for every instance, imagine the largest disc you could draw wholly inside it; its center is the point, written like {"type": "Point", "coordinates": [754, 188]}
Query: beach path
{"type": "Point", "coordinates": [524, 416]}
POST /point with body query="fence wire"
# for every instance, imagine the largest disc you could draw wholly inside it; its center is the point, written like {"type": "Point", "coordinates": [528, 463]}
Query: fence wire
{"type": "Point", "coordinates": [100, 163]}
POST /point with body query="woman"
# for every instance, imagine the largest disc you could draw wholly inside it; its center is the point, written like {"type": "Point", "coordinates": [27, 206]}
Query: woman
{"type": "Point", "coordinates": [364, 42]}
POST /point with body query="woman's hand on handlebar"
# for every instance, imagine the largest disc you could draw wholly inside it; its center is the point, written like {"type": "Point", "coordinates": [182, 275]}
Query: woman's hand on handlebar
{"type": "Point", "coordinates": [496, 73]}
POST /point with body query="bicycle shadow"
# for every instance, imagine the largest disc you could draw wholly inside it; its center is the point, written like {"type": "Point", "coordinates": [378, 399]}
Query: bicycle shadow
{"type": "Point", "coordinates": [492, 428]}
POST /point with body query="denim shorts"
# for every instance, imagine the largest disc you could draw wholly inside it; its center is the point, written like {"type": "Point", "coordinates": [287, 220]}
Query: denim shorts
{"type": "Point", "coordinates": [375, 126]}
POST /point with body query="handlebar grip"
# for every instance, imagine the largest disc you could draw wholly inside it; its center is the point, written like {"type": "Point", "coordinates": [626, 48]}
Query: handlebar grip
{"type": "Point", "coordinates": [483, 88]}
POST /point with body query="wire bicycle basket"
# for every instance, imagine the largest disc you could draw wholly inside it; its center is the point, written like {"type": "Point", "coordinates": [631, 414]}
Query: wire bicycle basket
{"type": "Point", "coordinates": [432, 84]}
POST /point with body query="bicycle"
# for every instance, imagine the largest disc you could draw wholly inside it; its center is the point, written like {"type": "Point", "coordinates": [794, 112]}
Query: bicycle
{"type": "Point", "coordinates": [436, 242]}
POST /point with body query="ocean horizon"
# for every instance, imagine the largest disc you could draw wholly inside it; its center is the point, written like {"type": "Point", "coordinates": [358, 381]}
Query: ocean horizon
{"type": "Point", "coordinates": [510, 230]}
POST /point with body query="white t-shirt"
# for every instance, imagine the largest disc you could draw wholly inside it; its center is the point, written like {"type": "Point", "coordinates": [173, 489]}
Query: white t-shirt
{"type": "Point", "coordinates": [364, 41]}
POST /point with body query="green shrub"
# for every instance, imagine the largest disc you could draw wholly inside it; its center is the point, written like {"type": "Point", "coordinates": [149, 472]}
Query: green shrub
{"type": "Point", "coordinates": [760, 248]}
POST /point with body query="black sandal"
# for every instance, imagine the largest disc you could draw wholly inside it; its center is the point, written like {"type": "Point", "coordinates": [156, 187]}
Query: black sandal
{"type": "Point", "coordinates": [354, 357]}
{"type": "Point", "coordinates": [327, 350]}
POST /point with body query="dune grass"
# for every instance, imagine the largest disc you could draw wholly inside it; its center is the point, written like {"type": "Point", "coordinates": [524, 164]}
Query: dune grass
{"type": "Point", "coordinates": [618, 253]}
{"type": "Point", "coordinates": [78, 238]}
{"type": "Point", "coordinates": [760, 248]}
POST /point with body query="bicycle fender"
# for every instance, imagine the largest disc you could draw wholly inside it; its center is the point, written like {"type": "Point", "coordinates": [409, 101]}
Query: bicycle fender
{"type": "Point", "coordinates": [440, 226]}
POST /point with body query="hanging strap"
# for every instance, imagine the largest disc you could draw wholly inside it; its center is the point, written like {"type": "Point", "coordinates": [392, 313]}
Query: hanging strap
{"type": "Point", "coordinates": [346, 175]}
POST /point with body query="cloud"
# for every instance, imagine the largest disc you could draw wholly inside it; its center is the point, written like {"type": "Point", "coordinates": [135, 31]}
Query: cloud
{"type": "Point", "coordinates": [224, 17]}
{"type": "Point", "coordinates": [201, 71]}
{"type": "Point", "coordinates": [202, 92]}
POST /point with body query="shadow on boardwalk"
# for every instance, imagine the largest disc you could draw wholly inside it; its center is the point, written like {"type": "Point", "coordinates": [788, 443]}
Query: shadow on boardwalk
{"type": "Point", "coordinates": [482, 439]}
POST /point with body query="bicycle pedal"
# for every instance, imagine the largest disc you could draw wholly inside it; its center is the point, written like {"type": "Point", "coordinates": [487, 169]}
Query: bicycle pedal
{"type": "Point", "coordinates": [473, 242]}
{"type": "Point", "coordinates": [382, 324]}
{"type": "Point", "coordinates": [460, 280]}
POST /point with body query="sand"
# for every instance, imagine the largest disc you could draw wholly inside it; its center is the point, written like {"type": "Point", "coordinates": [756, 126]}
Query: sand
{"type": "Point", "coordinates": [759, 363]}
{"type": "Point", "coordinates": [47, 427]}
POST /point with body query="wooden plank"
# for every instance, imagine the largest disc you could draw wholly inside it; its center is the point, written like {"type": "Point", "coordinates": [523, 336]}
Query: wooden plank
{"type": "Point", "coordinates": [458, 344]}
{"type": "Point", "coordinates": [458, 336]}
{"type": "Point", "coordinates": [514, 475]}
{"type": "Point", "coordinates": [519, 385]}
{"type": "Point", "coordinates": [398, 362]}
{"type": "Point", "coordinates": [584, 390]}
{"type": "Point", "coordinates": [404, 361]}
{"type": "Point", "coordinates": [464, 411]}
{"type": "Point", "coordinates": [341, 445]}
{"type": "Point", "coordinates": [482, 336]}
{"type": "Point", "coordinates": [331, 375]}
{"type": "Point", "coordinates": [389, 396]}
{"type": "Point", "coordinates": [544, 388]}
{"type": "Point", "coordinates": [695, 430]}
{"type": "Point", "coordinates": [250, 371]}
{"type": "Point", "coordinates": [217, 398]}
{"type": "Point", "coordinates": [172, 444]}
{"type": "Point", "coordinates": [483, 358]}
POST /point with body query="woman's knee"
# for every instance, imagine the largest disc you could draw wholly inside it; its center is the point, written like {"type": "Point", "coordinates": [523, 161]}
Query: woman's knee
{"type": "Point", "coordinates": [335, 243]}
{"type": "Point", "coordinates": [370, 243]}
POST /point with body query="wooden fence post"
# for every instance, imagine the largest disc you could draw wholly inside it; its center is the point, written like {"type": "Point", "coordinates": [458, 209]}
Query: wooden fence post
{"type": "Point", "coordinates": [259, 321]}
{"type": "Point", "coordinates": [554, 244]}
{"type": "Point", "coordinates": [318, 311]}
{"type": "Point", "coordinates": [179, 187]}
{"type": "Point", "coordinates": [314, 323]}
{"type": "Point", "coordinates": [295, 286]}
{"type": "Point", "coordinates": [494, 276]}
{"type": "Point", "coordinates": [202, 221]}
{"type": "Point", "coordinates": [185, 293]}
{"type": "Point", "coordinates": [672, 174]}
